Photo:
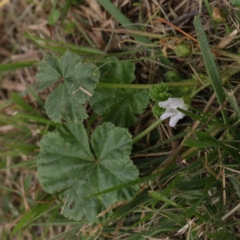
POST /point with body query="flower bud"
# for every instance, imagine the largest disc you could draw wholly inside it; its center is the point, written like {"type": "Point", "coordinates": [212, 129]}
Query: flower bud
{"type": "Point", "coordinates": [218, 15]}
{"type": "Point", "coordinates": [183, 49]}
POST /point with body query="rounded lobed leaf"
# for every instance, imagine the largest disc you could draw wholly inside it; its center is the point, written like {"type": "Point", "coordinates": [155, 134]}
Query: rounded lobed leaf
{"type": "Point", "coordinates": [119, 106]}
{"type": "Point", "coordinates": [77, 83]}
{"type": "Point", "coordinates": [66, 163]}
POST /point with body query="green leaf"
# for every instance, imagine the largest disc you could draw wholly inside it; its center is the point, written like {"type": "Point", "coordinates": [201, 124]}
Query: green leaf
{"type": "Point", "coordinates": [162, 198]}
{"type": "Point", "coordinates": [233, 102]}
{"type": "Point", "coordinates": [53, 16]}
{"type": "Point", "coordinates": [205, 137]}
{"type": "Point", "coordinates": [77, 81]}
{"type": "Point", "coordinates": [235, 184]}
{"type": "Point", "coordinates": [204, 140]}
{"type": "Point", "coordinates": [159, 92]}
{"type": "Point", "coordinates": [119, 106]}
{"type": "Point", "coordinates": [210, 63]}
{"type": "Point", "coordinates": [17, 65]}
{"type": "Point", "coordinates": [198, 144]}
{"type": "Point", "coordinates": [65, 9]}
{"type": "Point", "coordinates": [69, 165]}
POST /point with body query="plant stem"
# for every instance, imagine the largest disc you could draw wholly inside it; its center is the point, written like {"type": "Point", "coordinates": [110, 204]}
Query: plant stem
{"type": "Point", "coordinates": [185, 83]}
{"type": "Point", "coordinates": [146, 131]}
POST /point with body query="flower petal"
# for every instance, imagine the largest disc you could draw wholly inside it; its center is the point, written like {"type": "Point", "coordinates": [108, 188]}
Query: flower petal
{"type": "Point", "coordinates": [173, 103]}
{"type": "Point", "coordinates": [171, 106]}
{"type": "Point", "coordinates": [173, 121]}
{"type": "Point", "coordinates": [176, 102]}
{"type": "Point", "coordinates": [180, 115]}
{"type": "Point", "coordinates": [170, 112]}
{"type": "Point", "coordinates": [164, 104]}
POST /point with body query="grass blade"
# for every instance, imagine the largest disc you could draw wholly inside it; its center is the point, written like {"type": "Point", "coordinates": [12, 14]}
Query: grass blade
{"type": "Point", "coordinates": [108, 5]}
{"type": "Point", "coordinates": [65, 10]}
{"type": "Point", "coordinates": [61, 46]}
{"type": "Point", "coordinates": [211, 66]}
{"type": "Point", "coordinates": [17, 65]}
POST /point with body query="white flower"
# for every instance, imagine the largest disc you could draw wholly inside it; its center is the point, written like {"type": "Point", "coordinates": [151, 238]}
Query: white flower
{"type": "Point", "coordinates": [171, 106]}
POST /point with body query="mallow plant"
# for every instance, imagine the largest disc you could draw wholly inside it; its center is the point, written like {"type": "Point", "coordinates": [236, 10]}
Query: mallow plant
{"type": "Point", "coordinates": [78, 165]}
